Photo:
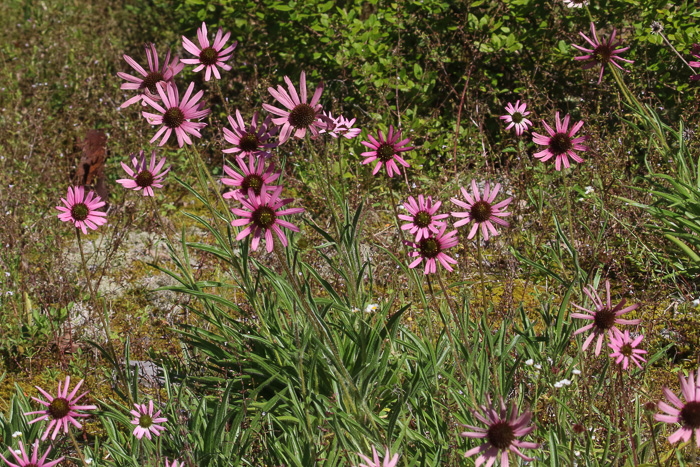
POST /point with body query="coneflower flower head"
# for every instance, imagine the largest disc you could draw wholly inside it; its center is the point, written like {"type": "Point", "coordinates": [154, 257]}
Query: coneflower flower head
{"type": "Point", "coordinates": [603, 53]}
{"type": "Point", "coordinates": [210, 56]}
{"type": "Point", "coordinates": [481, 210]}
{"type": "Point", "coordinates": [604, 318]}
{"type": "Point", "coordinates": [386, 151]}
{"type": "Point", "coordinates": [176, 115]}
{"type": "Point", "coordinates": [61, 410]}
{"type": "Point", "coordinates": [388, 461]}
{"type": "Point", "coordinates": [341, 126]}
{"type": "Point", "coordinates": [300, 116]}
{"type": "Point", "coordinates": [687, 414]}
{"type": "Point", "coordinates": [422, 219]}
{"type": "Point", "coordinates": [82, 210]}
{"type": "Point", "coordinates": [250, 140]}
{"type": "Point", "coordinates": [34, 460]}
{"type": "Point", "coordinates": [146, 84]}
{"type": "Point", "coordinates": [146, 421]}
{"type": "Point", "coordinates": [262, 215]}
{"type": "Point", "coordinates": [516, 117]}
{"type": "Point", "coordinates": [431, 249]}
{"type": "Point", "coordinates": [695, 51]}
{"type": "Point", "coordinates": [254, 177]}
{"type": "Point", "coordinates": [174, 464]}
{"type": "Point", "coordinates": [503, 428]}
{"type": "Point", "coordinates": [144, 176]}
{"type": "Point", "coordinates": [561, 144]}
{"type": "Point", "coordinates": [625, 349]}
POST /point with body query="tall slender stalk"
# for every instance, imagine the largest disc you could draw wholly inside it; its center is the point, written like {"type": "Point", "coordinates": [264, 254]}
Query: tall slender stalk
{"type": "Point", "coordinates": [653, 439]}
{"type": "Point", "coordinates": [624, 402]}
{"type": "Point", "coordinates": [480, 260]}
{"type": "Point", "coordinates": [447, 328]}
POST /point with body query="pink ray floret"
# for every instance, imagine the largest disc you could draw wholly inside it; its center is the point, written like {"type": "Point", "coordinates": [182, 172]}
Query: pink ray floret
{"type": "Point", "coordinates": [210, 56]}
{"type": "Point", "coordinates": [503, 427]}
{"type": "Point", "coordinates": [300, 116]}
{"type": "Point", "coordinates": [695, 51]}
{"type": "Point", "coordinates": [82, 210]}
{"type": "Point", "coordinates": [481, 210]}
{"type": "Point", "coordinates": [432, 250]}
{"type": "Point", "coordinates": [250, 140]}
{"type": "Point", "coordinates": [625, 349]}
{"type": "Point", "coordinates": [603, 53]}
{"type": "Point", "coordinates": [61, 410]}
{"type": "Point", "coordinates": [605, 317]}
{"type": "Point", "coordinates": [341, 126]}
{"type": "Point", "coordinates": [386, 151]}
{"type": "Point", "coordinates": [561, 144]}
{"type": "Point", "coordinates": [174, 464]}
{"type": "Point", "coordinates": [422, 219]}
{"type": "Point", "coordinates": [176, 115]}
{"type": "Point", "coordinates": [388, 461]}
{"type": "Point", "coordinates": [146, 83]}
{"type": "Point", "coordinates": [146, 421]}
{"type": "Point", "coordinates": [34, 460]}
{"type": "Point", "coordinates": [688, 414]}
{"type": "Point", "coordinates": [254, 177]}
{"type": "Point", "coordinates": [516, 117]}
{"type": "Point", "coordinates": [262, 216]}
{"type": "Point", "coordinates": [144, 176]}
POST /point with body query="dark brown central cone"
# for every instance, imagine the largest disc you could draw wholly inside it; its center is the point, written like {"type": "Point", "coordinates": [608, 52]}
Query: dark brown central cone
{"type": "Point", "coordinates": [690, 415]}
{"type": "Point", "coordinates": [249, 142]}
{"type": "Point", "coordinates": [302, 116]}
{"type": "Point", "coordinates": [385, 152]}
{"type": "Point", "coordinates": [144, 179]}
{"type": "Point", "coordinates": [500, 435]}
{"type": "Point", "coordinates": [422, 219]}
{"type": "Point", "coordinates": [429, 248]}
{"type": "Point", "coordinates": [264, 217]}
{"type": "Point", "coordinates": [603, 320]}
{"type": "Point", "coordinates": [626, 350]}
{"type": "Point", "coordinates": [79, 211]}
{"type": "Point", "coordinates": [58, 408]}
{"type": "Point", "coordinates": [517, 117]}
{"type": "Point", "coordinates": [481, 211]}
{"type": "Point", "coordinates": [602, 54]}
{"type": "Point", "coordinates": [252, 181]}
{"type": "Point", "coordinates": [145, 421]}
{"type": "Point", "coordinates": [208, 56]}
{"type": "Point", "coordinates": [150, 81]}
{"type": "Point", "coordinates": [560, 143]}
{"type": "Point", "coordinates": [173, 117]}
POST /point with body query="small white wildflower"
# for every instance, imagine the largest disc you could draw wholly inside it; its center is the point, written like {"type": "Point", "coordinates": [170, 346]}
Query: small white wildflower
{"type": "Point", "coordinates": [550, 361]}
{"type": "Point", "coordinates": [589, 190]}
{"type": "Point", "coordinates": [538, 366]}
{"type": "Point", "coordinates": [88, 461]}
{"type": "Point", "coordinates": [576, 372]}
{"type": "Point", "coordinates": [10, 293]}
{"type": "Point", "coordinates": [577, 453]}
{"type": "Point", "coordinates": [355, 309]}
{"type": "Point", "coordinates": [371, 308]}
{"type": "Point", "coordinates": [529, 362]}
{"type": "Point", "coordinates": [558, 384]}
{"type": "Point", "coordinates": [16, 434]}
{"type": "Point", "coordinates": [566, 382]}
{"type": "Point", "coordinates": [18, 452]}
{"type": "Point", "coordinates": [696, 302]}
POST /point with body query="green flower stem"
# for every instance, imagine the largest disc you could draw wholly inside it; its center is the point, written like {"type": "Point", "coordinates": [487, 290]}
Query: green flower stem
{"type": "Point", "coordinates": [101, 315]}
{"type": "Point", "coordinates": [221, 95]}
{"type": "Point", "coordinates": [77, 448]}
{"type": "Point", "coordinates": [452, 306]}
{"type": "Point", "coordinates": [211, 180]}
{"type": "Point", "coordinates": [653, 439]}
{"type": "Point", "coordinates": [480, 260]}
{"type": "Point", "coordinates": [447, 328]}
{"type": "Point", "coordinates": [624, 402]}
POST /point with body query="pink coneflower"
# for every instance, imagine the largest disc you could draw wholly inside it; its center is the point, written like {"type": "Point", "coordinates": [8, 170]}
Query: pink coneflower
{"type": "Point", "coordinates": [254, 177]}
{"type": "Point", "coordinates": [144, 176]}
{"type": "Point", "coordinates": [174, 464]}
{"type": "Point", "coordinates": [82, 210]}
{"type": "Point", "coordinates": [61, 409]}
{"type": "Point", "coordinates": [602, 52]}
{"type": "Point", "coordinates": [146, 84]}
{"type": "Point", "coordinates": [625, 349]}
{"type": "Point", "coordinates": [146, 421]}
{"type": "Point", "coordinates": [176, 114]}
{"type": "Point", "coordinates": [433, 248]}
{"type": "Point", "coordinates": [34, 461]}
{"type": "Point", "coordinates": [386, 151]}
{"type": "Point", "coordinates": [695, 51]}
{"type": "Point", "coordinates": [516, 117]}
{"type": "Point", "coordinates": [502, 430]}
{"type": "Point", "coordinates": [341, 126]}
{"type": "Point", "coordinates": [687, 414]}
{"type": "Point", "coordinates": [481, 210]}
{"type": "Point", "coordinates": [209, 56]}
{"type": "Point", "coordinates": [389, 461]}
{"type": "Point", "coordinates": [605, 317]}
{"type": "Point", "coordinates": [422, 219]}
{"type": "Point", "coordinates": [300, 116]}
{"type": "Point", "coordinates": [252, 140]}
{"type": "Point", "coordinates": [561, 144]}
{"type": "Point", "coordinates": [262, 215]}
